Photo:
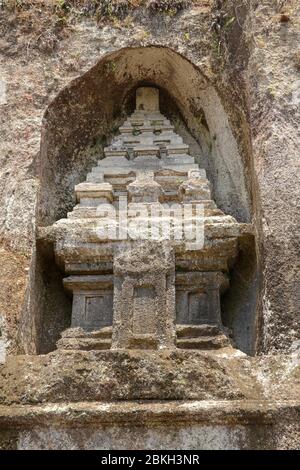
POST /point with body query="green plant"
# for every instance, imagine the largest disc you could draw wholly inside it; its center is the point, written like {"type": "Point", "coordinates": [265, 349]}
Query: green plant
{"type": "Point", "coordinates": [136, 131]}
{"type": "Point", "coordinates": [111, 67]}
{"type": "Point", "coordinates": [229, 21]}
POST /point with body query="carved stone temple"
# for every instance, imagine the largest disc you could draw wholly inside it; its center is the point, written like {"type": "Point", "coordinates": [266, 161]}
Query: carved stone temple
{"type": "Point", "coordinates": [149, 226]}
{"type": "Point", "coordinates": [132, 291]}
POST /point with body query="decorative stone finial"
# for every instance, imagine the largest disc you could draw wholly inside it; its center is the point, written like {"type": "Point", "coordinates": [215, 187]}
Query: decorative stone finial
{"type": "Point", "coordinates": [195, 188]}
{"type": "Point", "coordinates": [103, 192]}
{"type": "Point", "coordinates": [144, 188]}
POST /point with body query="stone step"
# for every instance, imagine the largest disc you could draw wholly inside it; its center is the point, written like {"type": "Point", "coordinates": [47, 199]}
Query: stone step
{"type": "Point", "coordinates": [203, 342]}
{"type": "Point", "coordinates": [109, 162]}
{"type": "Point", "coordinates": [120, 181]}
{"type": "Point", "coordinates": [162, 142]}
{"type": "Point", "coordinates": [104, 333]}
{"type": "Point", "coordinates": [115, 152]}
{"type": "Point", "coordinates": [151, 128]}
{"type": "Point", "coordinates": [163, 127]}
{"type": "Point", "coordinates": [117, 171]}
{"type": "Point", "coordinates": [166, 139]}
{"type": "Point", "coordinates": [95, 178]}
{"type": "Point", "coordinates": [141, 150]}
{"type": "Point", "coordinates": [77, 332]}
{"type": "Point", "coordinates": [146, 130]}
{"type": "Point", "coordinates": [146, 115]}
{"type": "Point", "coordinates": [126, 129]}
{"type": "Point", "coordinates": [183, 159]}
{"type": "Point", "coordinates": [84, 344]}
{"type": "Point", "coordinates": [146, 162]}
{"type": "Point", "coordinates": [131, 139]}
{"type": "Point", "coordinates": [195, 331]}
{"type": "Point", "coordinates": [79, 339]}
{"type": "Point", "coordinates": [136, 122]}
{"type": "Point", "coordinates": [177, 149]}
{"type": "Point", "coordinates": [180, 168]}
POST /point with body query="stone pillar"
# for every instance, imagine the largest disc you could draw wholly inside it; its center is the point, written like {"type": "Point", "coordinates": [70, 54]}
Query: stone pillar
{"type": "Point", "coordinates": [144, 296]}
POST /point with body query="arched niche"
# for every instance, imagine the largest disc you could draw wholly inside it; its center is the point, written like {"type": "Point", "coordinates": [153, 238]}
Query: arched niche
{"type": "Point", "coordinates": [93, 105]}
{"type": "Point", "coordinates": [80, 122]}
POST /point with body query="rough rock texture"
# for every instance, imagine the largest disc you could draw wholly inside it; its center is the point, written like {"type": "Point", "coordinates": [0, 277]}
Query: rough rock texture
{"type": "Point", "coordinates": [190, 425]}
{"type": "Point", "coordinates": [273, 81]}
{"type": "Point", "coordinates": [158, 400]}
{"type": "Point", "coordinates": [262, 104]}
{"type": "Point", "coordinates": [234, 88]}
{"type": "Point", "coordinates": [131, 375]}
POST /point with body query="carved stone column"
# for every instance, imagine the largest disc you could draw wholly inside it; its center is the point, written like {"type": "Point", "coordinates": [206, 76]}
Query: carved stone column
{"type": "Point", "coordinates": [144, 296]}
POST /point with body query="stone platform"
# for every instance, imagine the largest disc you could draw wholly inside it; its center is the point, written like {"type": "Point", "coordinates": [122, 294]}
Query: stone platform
{"type": "Point", "coordinates": [150, 400]}
{"type": "Point", "coordinates": [75, 376]}
{"type": "Point", "coordinates": [193, 425]}
{"type": "Point", "coordinates": [194, 337]}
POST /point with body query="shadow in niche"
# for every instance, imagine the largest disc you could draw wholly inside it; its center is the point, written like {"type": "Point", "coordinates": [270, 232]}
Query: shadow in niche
{"type": "Point", "coordinates": [239, 304]}
{"type": "Point", "coordinates": [54, 306]}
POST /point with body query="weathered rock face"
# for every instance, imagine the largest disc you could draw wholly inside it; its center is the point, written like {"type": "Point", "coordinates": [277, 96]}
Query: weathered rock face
{"type": "Point", "coordinates": [229, 82]}
{"type": "Point", "coordinates": [91, 376]}
{"type": "Point", "coordinates": [187, 399]}
{"type": "Point", "coordinates": [69, 127]}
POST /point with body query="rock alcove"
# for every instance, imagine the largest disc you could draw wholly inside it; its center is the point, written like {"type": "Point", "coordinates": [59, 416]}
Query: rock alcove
{"type": "Point", "coordinates": [84, 119]}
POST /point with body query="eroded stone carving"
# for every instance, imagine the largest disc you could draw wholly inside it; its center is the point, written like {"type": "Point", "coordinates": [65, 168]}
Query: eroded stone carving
{"type": "Point", "coordinates": [144, 296]}
{"type": "Point", "coordinates": [130, 291]}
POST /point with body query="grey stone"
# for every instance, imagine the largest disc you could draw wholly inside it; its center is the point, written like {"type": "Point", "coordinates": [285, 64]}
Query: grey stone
{"type": "Point", "coordinates": [144, 297]}
{"type": "Point", "coordinates": [92, 301]}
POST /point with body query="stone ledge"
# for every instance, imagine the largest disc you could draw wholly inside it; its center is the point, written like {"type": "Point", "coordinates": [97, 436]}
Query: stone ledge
{"type": "Point", "coordinates": [206, 412]}
{"type": "Point", "coordinates": [129, 375]}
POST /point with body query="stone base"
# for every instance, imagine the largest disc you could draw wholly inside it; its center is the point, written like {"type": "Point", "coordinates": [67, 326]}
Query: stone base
{"type": "Point", "coordinates": [200, 337]}
{"type": "Point", "coordinates": [74, 376]}
{"type": "Point", "coordinates": [218, 399]}
{"type": "Point", "coordinates": [193, 425]}
{"type": "Point", "coordinates": [78, 339]}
